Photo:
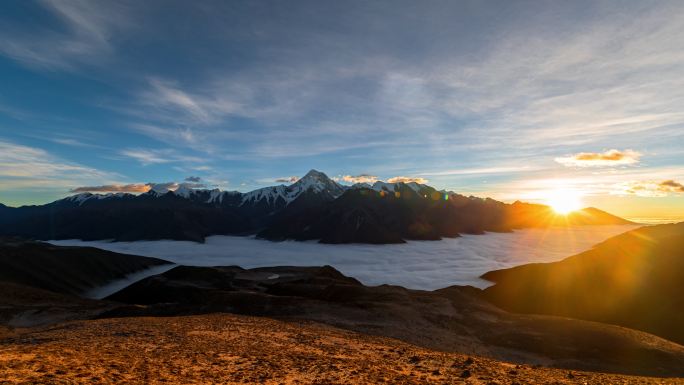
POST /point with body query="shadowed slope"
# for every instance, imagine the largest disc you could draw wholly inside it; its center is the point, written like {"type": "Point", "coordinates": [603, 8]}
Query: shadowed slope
{"type": "Point", "coordinates": [67, 270]}
{"type": "Point", "coordinates": [635, 279]}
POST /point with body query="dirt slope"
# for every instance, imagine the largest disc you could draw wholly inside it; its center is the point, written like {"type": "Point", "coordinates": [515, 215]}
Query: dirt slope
{"type": "Point", "coordinates": [230, 349]}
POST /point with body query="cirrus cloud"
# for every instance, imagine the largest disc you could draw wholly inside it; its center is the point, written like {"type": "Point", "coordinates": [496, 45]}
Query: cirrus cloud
{"type": "Point", "coordinates": [607, 158]}
{"type": "Point", "coordinates": [146, 156]}
{"type": "Point", "coordinates": [25, 167]}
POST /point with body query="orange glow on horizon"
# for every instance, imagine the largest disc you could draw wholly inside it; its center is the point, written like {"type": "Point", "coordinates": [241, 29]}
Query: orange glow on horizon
{"type": "Point", "coordinates": [564, 201]}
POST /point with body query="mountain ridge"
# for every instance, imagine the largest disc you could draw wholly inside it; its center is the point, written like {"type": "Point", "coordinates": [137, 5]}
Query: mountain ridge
{"type": "Point", "coordinates": [314, 207]}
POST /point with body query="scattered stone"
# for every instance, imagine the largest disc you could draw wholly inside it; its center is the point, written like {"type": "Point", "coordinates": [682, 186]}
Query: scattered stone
{"type": "Point", "coordinates": [465, 374]}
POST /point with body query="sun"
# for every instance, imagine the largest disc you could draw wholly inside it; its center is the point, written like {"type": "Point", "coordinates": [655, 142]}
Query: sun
{"type": "Point", "coordinates": [564, 201]}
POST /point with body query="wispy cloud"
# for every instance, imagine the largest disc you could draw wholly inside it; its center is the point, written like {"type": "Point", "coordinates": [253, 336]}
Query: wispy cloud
{"type": "Point", "coordinates": [84, 35]}
{"type": "Point", "coordinates": [167, 96]}
{"type": "Point", "coordinates": [595, 159]}
{"type": "Point", "coordinates": [72, 142]}
{"type": "Point", "coordinates": [482, 170]}
{"type": "Point", "coordinates": [159, 156]}
{"type": "Point", "coordinates": [25, 167]}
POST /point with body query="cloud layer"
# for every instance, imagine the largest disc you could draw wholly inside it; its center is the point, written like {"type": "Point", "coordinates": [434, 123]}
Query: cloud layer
{"type": "Point", "coordinates": [416, 265]}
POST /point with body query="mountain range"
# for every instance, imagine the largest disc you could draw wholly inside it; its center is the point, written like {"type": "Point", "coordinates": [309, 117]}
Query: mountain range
{"type": "Point", "coordinates": [313, 208]}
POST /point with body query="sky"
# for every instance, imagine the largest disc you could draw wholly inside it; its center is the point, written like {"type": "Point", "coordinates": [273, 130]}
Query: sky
{"type": "Point", "coordinates": [511, 100]}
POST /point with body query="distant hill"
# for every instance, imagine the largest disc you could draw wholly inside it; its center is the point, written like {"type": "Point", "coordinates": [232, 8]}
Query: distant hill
{"type": "Point", "coordinates": [635, 279]}
{"type": "Point", "coordinates": [314, 207]}
{"type": "Point", "coordinates": [522, 215]}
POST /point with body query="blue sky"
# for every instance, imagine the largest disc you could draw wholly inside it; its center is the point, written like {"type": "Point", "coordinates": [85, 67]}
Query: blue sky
{"type": "Point", "coordinates": [492, 98]}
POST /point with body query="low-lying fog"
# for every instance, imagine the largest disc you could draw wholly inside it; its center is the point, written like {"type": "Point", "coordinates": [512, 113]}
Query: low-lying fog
{"type": "Point", "coordinates": [417, 264]}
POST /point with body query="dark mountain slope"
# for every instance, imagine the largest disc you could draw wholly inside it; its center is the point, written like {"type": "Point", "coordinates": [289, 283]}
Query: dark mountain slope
{"type": "Point", "coordinates": [635, 279]}
{"type": "Point", "coordinates": [368, 216]}
{"type": "Point", "coordinates": [67, 270]}
{"type": "Point", "coordinates": [128, 218]}
{"type": "Point", "coordinates": [364, 215]}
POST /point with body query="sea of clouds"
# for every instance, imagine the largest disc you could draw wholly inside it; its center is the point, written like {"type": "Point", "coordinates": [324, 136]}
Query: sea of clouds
{"type": "Point", "coordinates": [425, 265]}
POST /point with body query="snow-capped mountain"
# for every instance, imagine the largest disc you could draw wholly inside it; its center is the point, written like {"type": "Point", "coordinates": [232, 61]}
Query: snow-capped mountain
{"type": "Point", "coordinates": [314, 182]}
{"type": "Point", "coordinates": [314, 207]}
{"type": "Point", "coordinates": [81, 198]}
{"type": "Point", "coordinates": [276, 197]}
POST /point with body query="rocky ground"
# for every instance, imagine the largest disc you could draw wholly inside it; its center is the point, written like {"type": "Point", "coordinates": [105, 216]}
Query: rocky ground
{"type": "Point", "coordinates": [454, 319]}
{"type": "Point", "coordinates": [231, 349]}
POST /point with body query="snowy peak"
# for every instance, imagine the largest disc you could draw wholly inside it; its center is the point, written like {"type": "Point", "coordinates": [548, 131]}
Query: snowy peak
{"type": "Point", "coordinates": [79, 198]}
{"type": "Point", "coordinates": [318, 182]}
{"type": "Point", "coordinates": [184, 191]}
{"type": "Point", "coordinates": [84, 197]}
{"type": "Point", "coordinates": [315, 174]}
{"type": "Point", "coordinates": [314, 182]}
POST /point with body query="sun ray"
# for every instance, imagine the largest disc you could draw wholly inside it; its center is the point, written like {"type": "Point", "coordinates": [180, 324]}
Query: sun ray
{"type": "Point", "coordinates": [564, 201]}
